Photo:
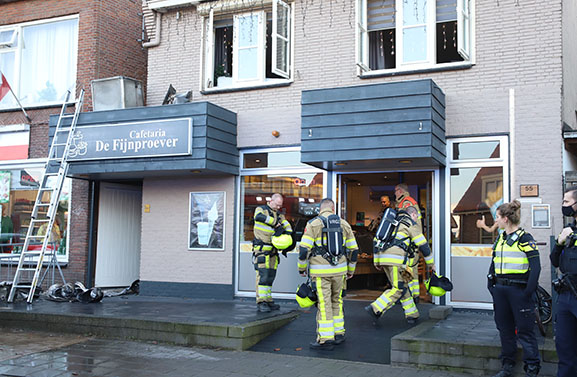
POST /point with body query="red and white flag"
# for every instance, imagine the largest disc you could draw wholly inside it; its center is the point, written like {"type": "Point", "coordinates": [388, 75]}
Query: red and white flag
{"type": "Point", "coordinates": [4, 86]}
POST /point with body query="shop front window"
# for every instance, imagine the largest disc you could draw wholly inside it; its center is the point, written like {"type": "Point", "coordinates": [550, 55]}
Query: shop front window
{"type": "Point", "coordinates": [18, 191]}
{"type": "Point", "coordinates": [263, 174]}
{"type": "Point", "coordinates": [478, 185]}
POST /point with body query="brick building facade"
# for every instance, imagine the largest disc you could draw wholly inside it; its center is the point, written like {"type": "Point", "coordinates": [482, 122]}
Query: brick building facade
{"type": "Point", "coordinates": [108, 34]}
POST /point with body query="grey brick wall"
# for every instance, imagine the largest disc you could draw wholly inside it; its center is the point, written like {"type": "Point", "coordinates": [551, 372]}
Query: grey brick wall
{"type": "Point", "coordinates": [164, 251]}
{"type": "Point", "coordinates": [518, 45]}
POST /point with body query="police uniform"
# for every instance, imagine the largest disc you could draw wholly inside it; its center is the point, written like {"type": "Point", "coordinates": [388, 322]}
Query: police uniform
{"type": "Point", "coordinates": [404, 202]}
{"type": "Point", "coordinates": [265, 256]}
{"type": "Point", "coordinates": [397, 265]}
{"type": "Point", "coordinates": [564, 256]}
{"type": "Point", "coordinates": [513, 278]}
{"type": "Point", "coordinates": [328, 278]}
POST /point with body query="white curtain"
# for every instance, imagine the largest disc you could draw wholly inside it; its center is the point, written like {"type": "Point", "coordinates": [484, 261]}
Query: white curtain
{"type": "Point", "coordinates": [48, 65]}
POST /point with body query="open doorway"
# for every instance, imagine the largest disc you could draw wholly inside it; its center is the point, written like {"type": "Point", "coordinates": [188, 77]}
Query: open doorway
{"type": "Point", "coordinates": [360, 204]}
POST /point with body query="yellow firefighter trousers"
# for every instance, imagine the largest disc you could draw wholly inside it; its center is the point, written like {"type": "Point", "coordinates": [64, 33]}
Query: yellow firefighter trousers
{"type": "Point", "coordinates": [330, 315]}
{"type": "Point", "coordinates": [399, 290]}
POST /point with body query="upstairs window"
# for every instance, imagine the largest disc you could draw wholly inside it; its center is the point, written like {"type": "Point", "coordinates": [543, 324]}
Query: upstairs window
{"type": "Point", "coordinates": [412, 34]}
{"type": "Point", "coordinates": [248, 47]}
{"type": "Point", "coordinates": [39, 60]}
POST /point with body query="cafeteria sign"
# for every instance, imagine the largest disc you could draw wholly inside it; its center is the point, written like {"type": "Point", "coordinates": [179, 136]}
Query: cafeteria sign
{"type": "Point", "coordinates": [170, 137]}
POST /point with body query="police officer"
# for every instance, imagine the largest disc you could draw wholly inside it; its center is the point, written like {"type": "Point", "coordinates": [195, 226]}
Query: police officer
{"type": "Point", "coordinates": [512, 281]}
{"type": "Point", "coordinates": [328, 271]}
{"type": "Point", "coordinates": [395, 259]}
{"type": "Point", "coordinates": [564, 256]}
{"type": "Point", "coordinates": [267, 220]}
{"type": "Point", "coordinates": [404, 201]}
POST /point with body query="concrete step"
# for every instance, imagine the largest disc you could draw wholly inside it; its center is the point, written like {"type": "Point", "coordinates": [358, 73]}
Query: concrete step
{"type": "Point", "coordinates": [227, 325]}
{"type": "Point", "coordinates": [464, 342]}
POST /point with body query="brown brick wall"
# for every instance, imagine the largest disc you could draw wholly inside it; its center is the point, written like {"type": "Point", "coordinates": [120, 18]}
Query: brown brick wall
{"type": "Point", "coordinates": [107, 46]}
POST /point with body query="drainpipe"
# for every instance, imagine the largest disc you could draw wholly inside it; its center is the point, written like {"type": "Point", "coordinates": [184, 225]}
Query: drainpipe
{"type": "Point", "coordinates": [90, 265]}
{"type": "Point", "coordinates": [156, 40]}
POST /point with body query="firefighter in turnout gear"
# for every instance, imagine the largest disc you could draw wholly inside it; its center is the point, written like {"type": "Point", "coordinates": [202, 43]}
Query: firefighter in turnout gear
{"type": "Point", "coordinates": [512, 281]}
{"type": "Point", "coordinates": [395, 259]}
{"type": "Point", "coordinates": [267, 222]}
{"type": "Point", "coordinates": [404, 201]}
{"type": "Point", "coordinates": [328, 251]}
{"type": "Point", "coordinates": [564, 256]}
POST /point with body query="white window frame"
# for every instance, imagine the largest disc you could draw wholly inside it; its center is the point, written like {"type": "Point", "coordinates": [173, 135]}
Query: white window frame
{"type": "Point", "coordinates": [464, 28]}
{"type": "Point", "coordinates": [17, 36]}
{"type": "Point", "coordinates": [279, 37]}
{"type": "Point", "coordinates": [503, 162]}
{"type": "Point", "coordinates": [465, 15]}
{"type": "Point", "coordinates": [430, 28]}
{"type": "Point", "coordinates": [207, 49]}
{"type": "Point", "coordinates": [260, 47]}
{"type": "Point", "coordinates": [8, 44]}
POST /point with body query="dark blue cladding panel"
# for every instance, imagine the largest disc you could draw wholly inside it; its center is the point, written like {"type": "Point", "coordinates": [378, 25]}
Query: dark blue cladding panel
{"type": "Point", "coordinates": [213, 141]}
{"type": "Point", "coordinates": [371, 124]}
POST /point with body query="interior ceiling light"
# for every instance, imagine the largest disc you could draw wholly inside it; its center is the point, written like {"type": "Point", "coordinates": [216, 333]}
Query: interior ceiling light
{"type": "Point", "coordinates": [405, 161]}
{"type": "Point", "coordinates": [257, 161]}
{"type": "Point", "coordinates": [340, 163]}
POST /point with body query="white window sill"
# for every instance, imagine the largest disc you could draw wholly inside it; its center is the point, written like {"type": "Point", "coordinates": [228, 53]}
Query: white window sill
{"type": "Point", "coordinates": [410, 71]}
{"type": "Point", "coordinates": [239, 88]}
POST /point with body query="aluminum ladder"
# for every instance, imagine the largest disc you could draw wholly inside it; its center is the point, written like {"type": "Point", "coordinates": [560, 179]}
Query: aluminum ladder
{"type": "Point", "coordinates": [46, 204]}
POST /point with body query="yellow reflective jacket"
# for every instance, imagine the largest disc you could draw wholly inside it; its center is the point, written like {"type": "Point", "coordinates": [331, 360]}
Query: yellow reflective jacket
{"type": "Point", "coordinates": [319, 266]}
{"type": "Point", "coordinates": [407, 235]}
{"type": "Point", "coordinates": [265, 220]}
{"type": "Point", "coordinates": [512, 259]}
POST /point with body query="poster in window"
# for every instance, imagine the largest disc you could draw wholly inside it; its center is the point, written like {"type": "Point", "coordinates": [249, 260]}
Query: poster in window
{"type": "Point", "coordinates": [4, 186]}
{"type": "Point", "coordinates": [206, 223]}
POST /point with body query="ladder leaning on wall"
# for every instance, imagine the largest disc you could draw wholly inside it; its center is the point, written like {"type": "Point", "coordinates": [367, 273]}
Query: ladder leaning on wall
{"type": "Point", "coordinates": [46, 205]}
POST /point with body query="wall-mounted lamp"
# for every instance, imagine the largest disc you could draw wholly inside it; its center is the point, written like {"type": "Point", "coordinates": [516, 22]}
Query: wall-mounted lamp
{"type": "Point", "coordinates": [275, 133]}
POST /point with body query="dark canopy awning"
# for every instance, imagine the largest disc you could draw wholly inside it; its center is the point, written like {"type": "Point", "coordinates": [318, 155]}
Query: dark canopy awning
{"type": "Point", "coordinates": [139, 142]}
{"type": "Point", "coordinates": [379, 126]}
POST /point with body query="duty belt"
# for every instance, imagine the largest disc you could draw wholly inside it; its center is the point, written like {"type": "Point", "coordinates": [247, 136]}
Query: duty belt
{"type": "Point", "coordinates": [260, 244]}
{"type": "Point", "coordinates": [513, 282]}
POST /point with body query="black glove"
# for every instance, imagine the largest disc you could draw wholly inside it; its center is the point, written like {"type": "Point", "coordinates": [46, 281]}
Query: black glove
{"type": "Point", "coordinates": [278, 231]}
{"type": "Point", "coordinates": [284, 253]}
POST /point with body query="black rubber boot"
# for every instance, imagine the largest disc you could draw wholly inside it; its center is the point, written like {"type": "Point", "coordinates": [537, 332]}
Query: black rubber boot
{"type": "Point", "coordinates": [532, 370]}
{"type": "Point", "coordinates": [372, 313]}
{"type": "Point", "coordinates": [262, 307]}
{"type": "Point", "coordinates": [339, 338]}
{"type": "Point", "coordinates": [506, 370]}
{"type": "Point", "coordinates": [273, 306]}
{"type": "Point", "coordinates": [326, 346]}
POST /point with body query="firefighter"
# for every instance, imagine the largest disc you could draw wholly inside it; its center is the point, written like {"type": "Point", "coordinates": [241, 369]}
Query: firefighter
{"type": "Point", "coordinates": [512, 281]}
{"type": "Point", "coordinates": [329, 264]}
{"type": "Point", "coordinates": [404, 201]}
{"type": "Point", "coordinates": [564, 256]}
{"type": "Point", "coordinates": [394, 258]}
{"type": "Point", "coordinates": [267, 221]}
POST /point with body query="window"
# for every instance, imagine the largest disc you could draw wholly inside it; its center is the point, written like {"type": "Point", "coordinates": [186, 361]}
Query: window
{"type": "Point", "coordinates": [478, 184]}
{"type": "Point", "coordinates": [39, 60]}
{"type": "Point", "coordinates": [247, 48]}
{"type": "Point", "coordinates": [18, 190]}
{"type": "Point", "coordinates": [412, 34]}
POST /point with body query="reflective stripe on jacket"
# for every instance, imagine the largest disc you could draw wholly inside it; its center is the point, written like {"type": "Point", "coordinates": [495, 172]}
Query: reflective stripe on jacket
{"type": "Point", "coordinates": [512, 259]}
{"type": "Point", "coordinates": [319, 266]}
{"type": "Point", "coordinates": [265, 219]}
{"type": "Point", "coordinates": [408, 235]}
